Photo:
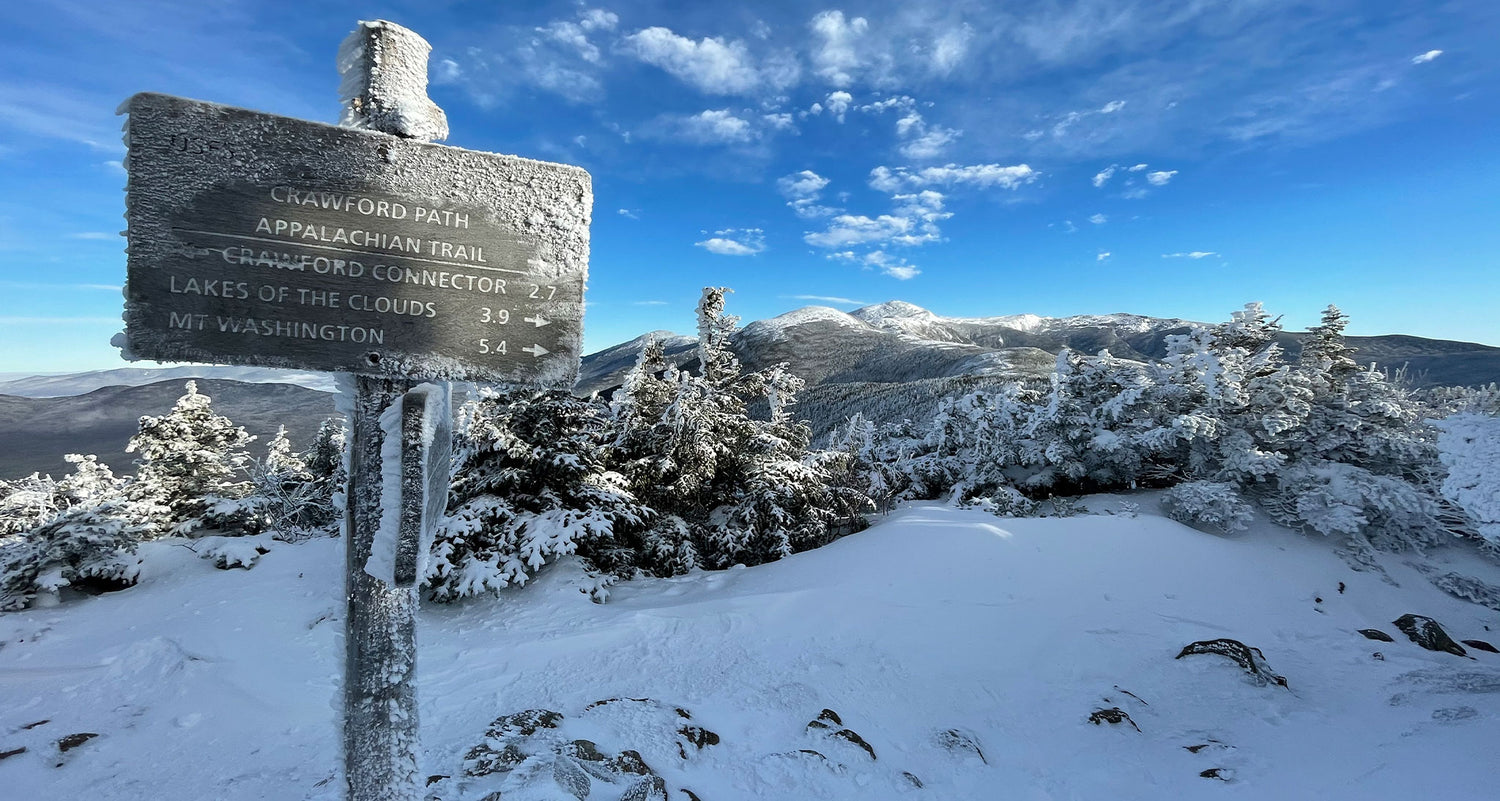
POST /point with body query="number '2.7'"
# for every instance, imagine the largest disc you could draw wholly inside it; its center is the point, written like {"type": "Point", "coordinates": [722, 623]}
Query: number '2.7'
{"type": "Point", "coordinates": [543, 292]}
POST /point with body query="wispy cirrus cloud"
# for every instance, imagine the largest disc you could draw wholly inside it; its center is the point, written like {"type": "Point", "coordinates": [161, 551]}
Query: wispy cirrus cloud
{"type": "Point", "coordinates": [828, 299]}
{"type": "Point", "coordinates": [1193, 254]}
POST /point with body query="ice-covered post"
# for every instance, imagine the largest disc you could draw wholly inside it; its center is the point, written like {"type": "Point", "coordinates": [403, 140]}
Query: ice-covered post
{"type": "Point", "coordinates": [384, 88]}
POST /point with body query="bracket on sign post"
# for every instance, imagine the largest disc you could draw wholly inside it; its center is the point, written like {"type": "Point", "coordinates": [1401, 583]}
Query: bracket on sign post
{"type": "Point", "coordinates": [359, 249]}
{"type": "Point", "coordinates": [426, 451]}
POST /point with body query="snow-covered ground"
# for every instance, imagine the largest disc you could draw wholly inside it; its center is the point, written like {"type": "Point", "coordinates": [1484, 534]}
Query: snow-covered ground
{"type": "Point", "coordinates": [935, 636]}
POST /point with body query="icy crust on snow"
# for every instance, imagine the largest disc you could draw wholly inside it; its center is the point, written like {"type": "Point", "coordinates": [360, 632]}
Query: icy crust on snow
{"type": "Point", "coordinates": [967, 650]}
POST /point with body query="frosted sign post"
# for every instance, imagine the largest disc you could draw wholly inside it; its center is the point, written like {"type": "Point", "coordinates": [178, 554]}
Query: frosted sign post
{"type": "Point", "coordinates": [360, 249]}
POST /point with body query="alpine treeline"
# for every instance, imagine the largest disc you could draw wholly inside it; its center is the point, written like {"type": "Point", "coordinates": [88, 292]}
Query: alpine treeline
{"type": "Point", "coordinates": [675, 472]}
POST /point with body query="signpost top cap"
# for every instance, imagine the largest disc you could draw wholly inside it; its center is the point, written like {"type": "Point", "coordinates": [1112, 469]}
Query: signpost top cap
{"type": "Point", "coordinates": [384, 82]}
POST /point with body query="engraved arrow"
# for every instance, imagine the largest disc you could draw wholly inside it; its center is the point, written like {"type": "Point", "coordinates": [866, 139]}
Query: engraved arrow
{"type": "Point", "coordinates": [538, 320]}
{"type": "Point", "coordinates": [536, 350]}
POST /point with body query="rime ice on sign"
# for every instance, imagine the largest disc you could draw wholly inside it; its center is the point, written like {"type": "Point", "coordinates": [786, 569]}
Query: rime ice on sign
{"type": "Point", "coordinates": [265, 240]}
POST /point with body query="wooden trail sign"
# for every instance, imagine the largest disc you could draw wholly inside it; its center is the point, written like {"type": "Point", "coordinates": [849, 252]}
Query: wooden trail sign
{"type": "Point", "coordinates": [265, 240]}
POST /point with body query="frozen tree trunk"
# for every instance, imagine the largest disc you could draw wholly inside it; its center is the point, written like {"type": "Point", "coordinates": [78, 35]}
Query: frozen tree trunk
{"type": "Point", "coordinates": [384, 69]}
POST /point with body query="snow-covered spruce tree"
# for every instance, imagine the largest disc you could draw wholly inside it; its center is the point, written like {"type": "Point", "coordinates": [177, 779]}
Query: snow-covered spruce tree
{"type": "Point", "coordinates": [853, 464]}
{"type": "Point", "coordinates": [530, 485]}
{"type": "Point", "coordinates": [192, 461]}
{"type": "Point", "coordinates": [1098, 427]}
{"type": "Point", "coordinates": [90, 548]}
{"type": "Point", "coordinates": [1235, 409]}
{"type": "Point", "coordinates": [26, 503]}
{"type": "Point", "coordinates": [86, 541]}
{"type": "Point", "coordinates": [1212, 505]}
{"type": "Point", "coordinates": [745, 490]}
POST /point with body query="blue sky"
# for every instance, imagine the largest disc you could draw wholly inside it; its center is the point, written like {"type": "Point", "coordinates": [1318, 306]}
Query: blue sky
{"type": "Point", "coordinates": [1174, 158]}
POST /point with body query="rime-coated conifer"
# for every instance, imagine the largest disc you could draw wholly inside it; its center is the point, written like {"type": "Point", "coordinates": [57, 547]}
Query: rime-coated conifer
{"type": "Point", "coordinates": [530, 485]}
{"type": "Point", "coordinates": [193, 462]}
{"type": "Point", "coordinates": [744, 490]}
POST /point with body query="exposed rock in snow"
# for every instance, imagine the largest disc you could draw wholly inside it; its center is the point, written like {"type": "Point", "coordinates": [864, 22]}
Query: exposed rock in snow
{"type": "Point", "coordinates": [1426, 632]}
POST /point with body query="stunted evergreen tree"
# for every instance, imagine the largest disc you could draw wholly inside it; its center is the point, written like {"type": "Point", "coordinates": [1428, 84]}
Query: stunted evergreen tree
{"type": "Point", "coordinates": [530, 485]}
{"type": "Point", "coordinates": [743, 490]}
{"type": "Point", "coordinates": [193, 462]}
{"type": "Point", "coordinates": [83, 535]}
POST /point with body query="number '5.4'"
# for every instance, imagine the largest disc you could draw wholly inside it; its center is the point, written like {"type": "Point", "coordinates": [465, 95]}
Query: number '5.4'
{"type": "Point", "coordinates": [486, 347]}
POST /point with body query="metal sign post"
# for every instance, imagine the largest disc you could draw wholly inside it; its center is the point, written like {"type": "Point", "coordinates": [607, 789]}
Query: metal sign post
{"type": "Point", "coordinates": [263, 240]}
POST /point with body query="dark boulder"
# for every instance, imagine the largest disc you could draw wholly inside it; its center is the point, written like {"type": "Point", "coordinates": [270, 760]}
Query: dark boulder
{"type": "Point", "coordinates": [1247, 657]}
{"type": "Point", "coordinates": [1426, 632]}
{"type": "Point", "coordinates": [1481, 645]}
{"type": "Point", "coordinates": [1113, 715]}
{"type": "Point", "coordinates": [1377, 634]}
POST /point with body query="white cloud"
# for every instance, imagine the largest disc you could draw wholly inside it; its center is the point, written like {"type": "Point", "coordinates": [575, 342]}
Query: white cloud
{"type": "Point", "coordinates": [781, 121]}
{"type": "Point", "coordinates": [828, 299]}
{"type": "Point", "coordinates": [835, 57]}
{"type": "Point", "coordinates": [1098, 219]}
{"type": "Point", "coordinates": [1196, 254]}
{"type": "Point", "coordinates": [1102, 177]}
{"type": "Point", "coordinates": [1112, 106]}
{"type": "Point", "coordinates": [838, 104]}
{"type": "Point", "coordinates": [735, 242]}
{"type": "Point", "coordinates": [648, 303]}
{"type": "Point", "coordinates": [802, 191]}
{"type": "Point", "coordinates": [897, 102]}
{"type": "Point", "coordinates": [101, 235]}
{"type": "Point", "coordinates": [913, 221]}
{"type": "Point", "coordinates": [1160, 177]}
{"type": "Point", "coordinates": [717, 126]}
{"type": "Point", "coordinates": [1103, 256]}
{"type": "Point", "coordinates": [949, 48]}
{"type": "Point", "coordinates": [598, 19]}
{"type": "Point", "coordinates": [446, 71]}
{"type": "Point", "coordinates": [712, 65]}
{"type": "Point", "coordinates": [1426, 57]}
{"type": "Point", "coordinates": [573, 35]}
{"type": "Point", "coordinates": [923, 141]}
{"type": "Point", "coordinates": [1138, 168]}
{"type": "Point", "coordinates": [627, 214]}
{"type": "Point", "coordinates": [885, 179]}
{"type": "Point", "coordinates": [893, 266]}
{"type": "Point", "coordinates": [801, 185]}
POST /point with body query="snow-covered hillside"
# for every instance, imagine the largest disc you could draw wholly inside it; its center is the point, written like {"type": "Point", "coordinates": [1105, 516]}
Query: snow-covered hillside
{"type": "Point", "coordinates": [967, 651]}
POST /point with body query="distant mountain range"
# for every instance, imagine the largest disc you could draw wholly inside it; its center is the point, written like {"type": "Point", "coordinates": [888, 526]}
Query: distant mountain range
{"type": "Point", "coordinates": [891, 360]}
{"type": "Point", "coordinates": [36, 432]}
{"type": "Point", "coordinates": [898, 342]}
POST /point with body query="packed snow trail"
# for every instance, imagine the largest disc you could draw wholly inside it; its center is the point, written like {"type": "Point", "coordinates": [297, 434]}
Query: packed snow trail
{"type": "Point", "coordinates": [1008, 633]}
